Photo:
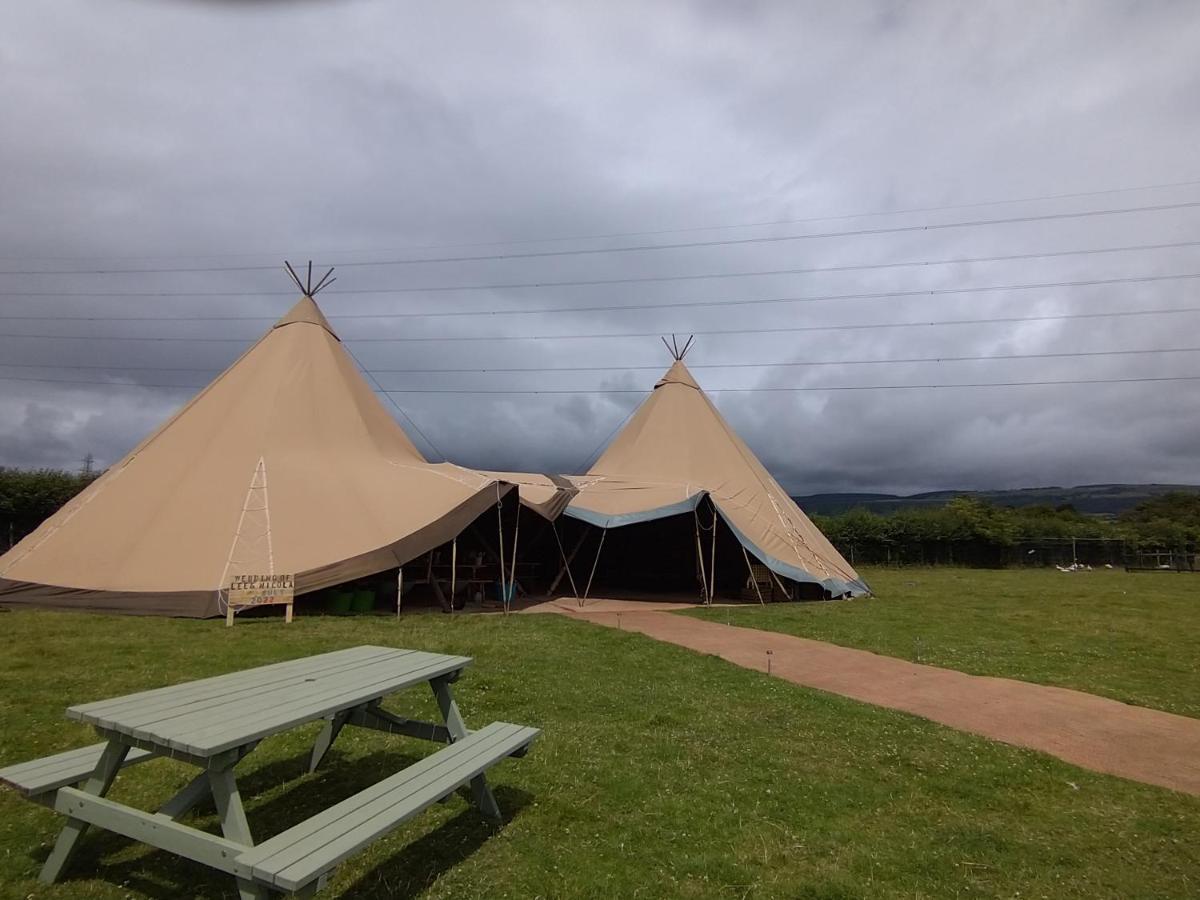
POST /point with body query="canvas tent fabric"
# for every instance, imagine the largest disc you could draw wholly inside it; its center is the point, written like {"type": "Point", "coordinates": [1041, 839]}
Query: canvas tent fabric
{"type": "Point", "coordinates": [287, 463]}
{"type": "Point", "coordinates": [676, 449]}
{"type": "Point", "coordinates": [546, 495]}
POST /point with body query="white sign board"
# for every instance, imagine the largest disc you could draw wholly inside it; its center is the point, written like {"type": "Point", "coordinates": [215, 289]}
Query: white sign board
{"type": "Point", "coordinates": [260, 590]}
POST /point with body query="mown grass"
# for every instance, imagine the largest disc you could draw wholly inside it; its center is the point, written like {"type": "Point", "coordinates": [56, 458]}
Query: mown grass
{"type": "Point", "coordinates": [661, 773]}
{"type": "Point", "coordinates": [1132, 637]}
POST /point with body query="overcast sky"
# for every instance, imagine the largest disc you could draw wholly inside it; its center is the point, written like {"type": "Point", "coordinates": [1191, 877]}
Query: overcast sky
{"type": "Point", "coordinates": [223, 135]}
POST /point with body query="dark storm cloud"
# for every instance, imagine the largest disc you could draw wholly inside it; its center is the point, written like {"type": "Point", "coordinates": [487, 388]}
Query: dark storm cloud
{"type": "Point", "coordinates": [201, 134]}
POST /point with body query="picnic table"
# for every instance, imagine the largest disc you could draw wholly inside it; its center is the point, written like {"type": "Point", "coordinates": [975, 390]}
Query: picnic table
{"type": "Point", "coordinates": [215, 722]}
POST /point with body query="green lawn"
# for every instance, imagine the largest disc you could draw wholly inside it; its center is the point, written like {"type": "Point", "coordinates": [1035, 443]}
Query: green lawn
{"type": "Point", "coordinates": [1132, 637]}
{"type": "Point", "coordinates": [661, 773]}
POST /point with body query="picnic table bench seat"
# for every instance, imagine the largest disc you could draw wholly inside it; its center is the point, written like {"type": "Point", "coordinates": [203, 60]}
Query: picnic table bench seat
{"type": "Point", "coordinates": [293, 860]}
{"type": "Point", "coordinates": [39, 777]}
{"type": "Point", "coordinates": [214, 723]}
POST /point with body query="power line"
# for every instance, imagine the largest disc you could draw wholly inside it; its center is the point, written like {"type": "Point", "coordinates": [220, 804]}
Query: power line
{"type": "Point", "coordinates": [623, 234]}
{"type": "Point", "coordinates": [392, 400]}
{"type": "Point", "coordinates": [634, 334]}
{"type": "Point", "coordinates": [618, 307]}
{"type": "Point", "coordinates": [857, 267]}
{"type": "Point", "coordinates": [1072, 354]}
{"type": "Point", "coordinates": [754, 390]}
{"type": "Point", "coordinates": [833, 388]}
{"type": "Point", "coordinates": [632, 248]}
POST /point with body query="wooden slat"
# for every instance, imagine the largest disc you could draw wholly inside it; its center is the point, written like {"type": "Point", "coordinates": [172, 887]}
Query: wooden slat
{"type": "Point", "coordinates": [39, 776]}
{"type": "Point", "coordinates": [157, 831]}
{"type": "Point", "coordinates": [295, 858]}
{"type": "Point", "coordinates": [166, 700]}
{"type": "Point", "coordinates": [218, 714]}
{"type": "Point", "coordinates": [165, 718]}
{"type": "Point", "coordinates": [217, 683]}
{"type": "Point", "coordinates": [283, 716]}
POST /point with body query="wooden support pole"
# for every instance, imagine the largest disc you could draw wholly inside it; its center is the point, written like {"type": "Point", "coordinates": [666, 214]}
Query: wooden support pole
{"type": "Point", "coordinates": [595, 562]}
{"type": "Point", "coordinates": [786, 592]}
{"type": "Point", "coordinates": [567, 560]}
{"type": "Point", "coordinates": [512, 578]}
{"type": "Point", "coordinates": [500, 530]}
{"type": "Point", "coordinates": [700, 556]}
{"type": "Point", "coordinates": [712, 566]}
{"type": "Point", "coordinates": [753, 580]}
{"type": "Point", "coordinates": [399, 589]}
{"type": "Point", "coordinates": [453, 570]}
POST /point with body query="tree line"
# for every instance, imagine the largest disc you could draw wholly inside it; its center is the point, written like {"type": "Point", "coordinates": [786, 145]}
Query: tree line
{"type": "Point", "coordinates": [970, 531]}
{"type": "Point", "coordinates": [965, 531]}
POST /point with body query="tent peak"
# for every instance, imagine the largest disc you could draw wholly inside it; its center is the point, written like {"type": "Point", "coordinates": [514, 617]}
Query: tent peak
{"type": "Point", "coordinates": [678, 374]}
{"type": "Point", "coordinates": [678, 353]}
{"type": "Point", "coordinates": [306, 312]}
{"type": "Point", "coordinates": [307, 288]}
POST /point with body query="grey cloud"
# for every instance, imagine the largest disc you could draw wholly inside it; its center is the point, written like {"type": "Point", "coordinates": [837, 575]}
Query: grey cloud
{"type": "Point", "coordinates": [150, 134]}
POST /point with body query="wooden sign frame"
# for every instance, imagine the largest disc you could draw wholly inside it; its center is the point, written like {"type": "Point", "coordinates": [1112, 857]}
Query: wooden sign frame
{"type": "Point", "coordinates": [250, 590]}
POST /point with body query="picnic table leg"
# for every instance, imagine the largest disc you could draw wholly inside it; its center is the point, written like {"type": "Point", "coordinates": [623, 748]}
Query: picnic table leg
{"type": "Point", "coordinates": [233, 823]}
{"type": "Point", "coordinates": [110, 762]}
{"type": "Point", "coordinates": [194, 792]}
{"type": "Point", "coordinates": [333, 726]}
{"type": "Point", "coordinates": [482, 794]}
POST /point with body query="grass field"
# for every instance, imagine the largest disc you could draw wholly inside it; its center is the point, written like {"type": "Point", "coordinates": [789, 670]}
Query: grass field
{"type": "Point", "coordinates": [661, 773]}
{"type": "Point", "coordinates": [1132, 637]}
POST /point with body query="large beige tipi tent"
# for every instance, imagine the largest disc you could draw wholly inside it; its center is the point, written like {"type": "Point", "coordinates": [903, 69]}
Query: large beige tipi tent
{"type": "Point", "coordinates": [286, 464]}
{"type": "Point", "coordinates": [676, 450]}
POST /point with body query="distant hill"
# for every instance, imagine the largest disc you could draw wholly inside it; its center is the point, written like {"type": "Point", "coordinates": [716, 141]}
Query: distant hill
{"type": "Point", "coordinates": [1094, 499]}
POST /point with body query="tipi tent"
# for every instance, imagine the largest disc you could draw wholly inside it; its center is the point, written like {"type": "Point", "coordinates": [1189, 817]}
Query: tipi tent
{"type": "Point", "coordinates": [678, 449]}
{"type": "Point", "coordinates": [286, 464]}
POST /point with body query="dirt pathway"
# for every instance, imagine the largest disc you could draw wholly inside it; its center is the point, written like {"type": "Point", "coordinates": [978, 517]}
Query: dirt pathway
{"type": "Point", "coordinates": [1094, 732]}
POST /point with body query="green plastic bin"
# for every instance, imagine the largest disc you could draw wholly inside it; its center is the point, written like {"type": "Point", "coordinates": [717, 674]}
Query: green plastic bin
{"type": "Point", "coordinates": [340, 602]}
{"type": "Point", "coordinates": [363, 602]}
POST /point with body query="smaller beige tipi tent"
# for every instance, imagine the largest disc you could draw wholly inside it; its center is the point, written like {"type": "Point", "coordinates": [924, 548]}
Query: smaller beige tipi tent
{"type": "Point", "coordinates": [676, 450]}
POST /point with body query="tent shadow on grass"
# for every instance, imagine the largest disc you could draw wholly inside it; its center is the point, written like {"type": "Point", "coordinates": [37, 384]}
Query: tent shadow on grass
{"type": "Point", "coordinates": [406, 873]}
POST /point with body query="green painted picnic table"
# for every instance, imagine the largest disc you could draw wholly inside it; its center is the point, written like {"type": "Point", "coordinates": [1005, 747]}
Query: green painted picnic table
{"type": "Point", "coordinates": [215, 722]}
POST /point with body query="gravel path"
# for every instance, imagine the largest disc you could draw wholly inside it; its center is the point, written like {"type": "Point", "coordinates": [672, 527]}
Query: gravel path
{"type": "Point", "coordinates": [1094, 732]}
